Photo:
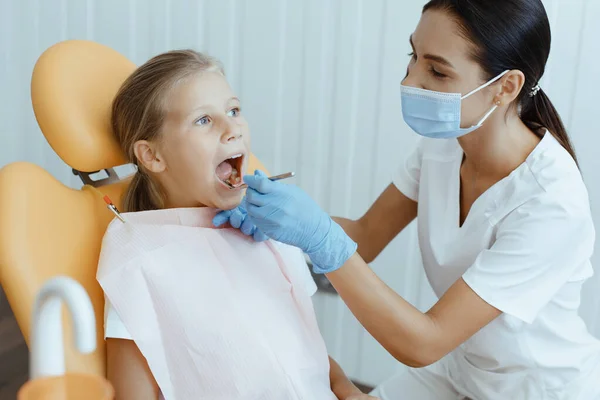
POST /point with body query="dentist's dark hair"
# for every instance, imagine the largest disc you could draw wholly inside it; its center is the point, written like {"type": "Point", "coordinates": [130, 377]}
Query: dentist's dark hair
{"type": "Point", "coordinates": [138, 112]}
{"type": "Point", "coordinates": [511, 34]}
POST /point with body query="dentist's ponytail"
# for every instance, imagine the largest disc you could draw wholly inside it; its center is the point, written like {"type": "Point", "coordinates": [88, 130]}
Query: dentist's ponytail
{"type": "Point", "coordinates": [540, 112]}
{"type": "Point", "coordinates": [138, 114]}
{"type": "Point", "coordinates": [506, 35]}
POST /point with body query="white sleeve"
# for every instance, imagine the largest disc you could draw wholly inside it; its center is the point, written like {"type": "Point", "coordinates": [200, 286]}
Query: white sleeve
{"type": "Point", "coordinates": [113, 326]}
{"type": "Point", "coordinates": [539, 247]}
{"type": "Point", "coordinates": [408, 175]}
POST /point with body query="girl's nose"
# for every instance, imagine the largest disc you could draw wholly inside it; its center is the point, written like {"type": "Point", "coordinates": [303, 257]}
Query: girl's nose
{"type": "Point", "coordinates": [231, 133]}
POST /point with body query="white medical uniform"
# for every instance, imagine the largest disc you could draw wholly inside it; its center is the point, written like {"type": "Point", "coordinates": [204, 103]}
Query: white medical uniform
{"type": "Point", "coordinates": [525, 249]}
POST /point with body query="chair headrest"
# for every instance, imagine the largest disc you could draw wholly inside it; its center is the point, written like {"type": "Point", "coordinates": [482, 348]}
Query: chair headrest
{"type": "Point", "coordinates": [72, 89]}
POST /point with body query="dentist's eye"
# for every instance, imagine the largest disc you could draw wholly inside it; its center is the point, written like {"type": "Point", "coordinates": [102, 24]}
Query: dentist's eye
{"type": "Point", "coordinates": [202, 120]}
{"type": "Point", "coordinates": [436, 73]}
{"type": "Point", "coordinates": [412, 55]}
{"type": "Point", "coordinates": [234, 112]}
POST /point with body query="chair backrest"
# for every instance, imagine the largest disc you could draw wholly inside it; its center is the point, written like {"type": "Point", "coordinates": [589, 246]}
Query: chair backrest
{"type": "Point", "coordinates": [46, 228]}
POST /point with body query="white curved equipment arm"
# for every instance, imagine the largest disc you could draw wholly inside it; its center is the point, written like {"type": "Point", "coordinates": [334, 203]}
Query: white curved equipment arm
{"type": "Point", "coordinates": [46, 355]}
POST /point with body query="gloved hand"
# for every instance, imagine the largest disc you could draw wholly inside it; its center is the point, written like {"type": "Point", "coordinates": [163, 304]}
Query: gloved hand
{"type": "Point", "coordinates": [238, 218]}
{"type": "Point", "coordinates": [287, 214]}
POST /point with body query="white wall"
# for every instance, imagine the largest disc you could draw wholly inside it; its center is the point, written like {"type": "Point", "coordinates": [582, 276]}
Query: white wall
{"type": "Point", "coordinates": [319, 82]}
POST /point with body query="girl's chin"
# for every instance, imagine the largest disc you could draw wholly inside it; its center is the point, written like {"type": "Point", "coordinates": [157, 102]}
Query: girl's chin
{"type": "Point", "coordinates": [230, 202]}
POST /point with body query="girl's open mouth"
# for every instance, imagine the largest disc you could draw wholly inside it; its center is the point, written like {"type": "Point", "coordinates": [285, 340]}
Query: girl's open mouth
{"type": "Point", "coordinates": [229, 172]}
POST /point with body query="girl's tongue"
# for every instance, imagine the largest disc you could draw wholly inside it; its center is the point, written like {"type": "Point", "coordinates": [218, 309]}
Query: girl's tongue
{"type": "Point", "coordinates": [224, 171]}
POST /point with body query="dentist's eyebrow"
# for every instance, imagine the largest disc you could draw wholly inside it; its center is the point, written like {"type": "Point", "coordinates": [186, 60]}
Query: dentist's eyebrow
{"type": "Point", "coordinates": [433, 57]}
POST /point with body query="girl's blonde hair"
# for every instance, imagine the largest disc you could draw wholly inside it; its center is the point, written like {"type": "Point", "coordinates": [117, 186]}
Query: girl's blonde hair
{"type": "Point", "coordinates": [138, 114]}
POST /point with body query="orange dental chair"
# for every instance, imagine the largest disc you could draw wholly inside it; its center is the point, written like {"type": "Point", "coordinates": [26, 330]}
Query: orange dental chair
{"type": "Point", "coordinates": [46, 228]}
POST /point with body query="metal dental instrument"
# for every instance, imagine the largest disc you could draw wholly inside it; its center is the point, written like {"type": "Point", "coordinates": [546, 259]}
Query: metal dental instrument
{"type": "Point", "coordinates": [272, 178]}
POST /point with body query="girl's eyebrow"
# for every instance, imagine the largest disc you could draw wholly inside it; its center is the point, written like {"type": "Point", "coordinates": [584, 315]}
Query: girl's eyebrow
{"type": "Point", "coordinates": [208, 106]}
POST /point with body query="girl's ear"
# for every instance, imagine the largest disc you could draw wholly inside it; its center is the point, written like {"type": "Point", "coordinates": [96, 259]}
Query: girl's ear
{"type": "Point", "coordinates": [147, 155]}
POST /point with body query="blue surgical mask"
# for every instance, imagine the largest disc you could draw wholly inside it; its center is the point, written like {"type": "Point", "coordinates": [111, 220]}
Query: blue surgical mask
{"type": "Point", "coordinates": [437, 114]}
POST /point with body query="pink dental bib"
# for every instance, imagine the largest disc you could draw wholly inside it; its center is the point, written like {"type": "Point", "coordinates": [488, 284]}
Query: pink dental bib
{"type": "Point", "coordinates": [216, 315]}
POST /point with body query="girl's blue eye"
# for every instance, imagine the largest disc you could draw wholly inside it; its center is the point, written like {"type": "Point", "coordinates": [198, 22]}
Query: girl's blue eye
{"type": "Point", "coordinates": [203, 120]}
{"type": "Point", "coordinates": [234, 112]}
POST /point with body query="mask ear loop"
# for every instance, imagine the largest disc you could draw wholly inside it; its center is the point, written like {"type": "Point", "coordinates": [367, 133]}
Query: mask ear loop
{"type": "Point", "coordinates": [482, 120]}
{"type": "Point", "coordinates": [485, 85]}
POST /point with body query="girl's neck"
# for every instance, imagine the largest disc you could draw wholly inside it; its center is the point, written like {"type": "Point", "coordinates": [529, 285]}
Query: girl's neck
{"type": "Point", "coordinates": [178, 202]}
{"type": "Point", "coordinates": [498, 147]}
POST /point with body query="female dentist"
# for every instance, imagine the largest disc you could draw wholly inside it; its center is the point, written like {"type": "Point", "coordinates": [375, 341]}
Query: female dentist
{"type": "Point", "coordinates": [504, 221]}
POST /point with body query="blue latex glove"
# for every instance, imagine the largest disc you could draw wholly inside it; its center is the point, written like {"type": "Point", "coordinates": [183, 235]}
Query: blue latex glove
{"type": "Point", "coordinates": [238, 218]}
{"type": "Point", "coordinates": [287, 214]}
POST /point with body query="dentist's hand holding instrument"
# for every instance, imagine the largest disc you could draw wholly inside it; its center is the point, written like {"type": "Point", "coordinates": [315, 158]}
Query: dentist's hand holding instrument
{"type": "Point", "coordinates": [238, 217]}
{"type": "Point", "coordinates": [287, 214]}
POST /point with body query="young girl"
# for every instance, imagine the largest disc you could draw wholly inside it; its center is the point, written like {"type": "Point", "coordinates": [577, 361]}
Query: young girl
{"type": "Point", "coordinates": [194, 312]}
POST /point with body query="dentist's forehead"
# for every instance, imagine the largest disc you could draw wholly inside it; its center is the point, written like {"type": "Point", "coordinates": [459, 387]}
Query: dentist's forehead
{"type": "Point", "coordinates": [438, 33]}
